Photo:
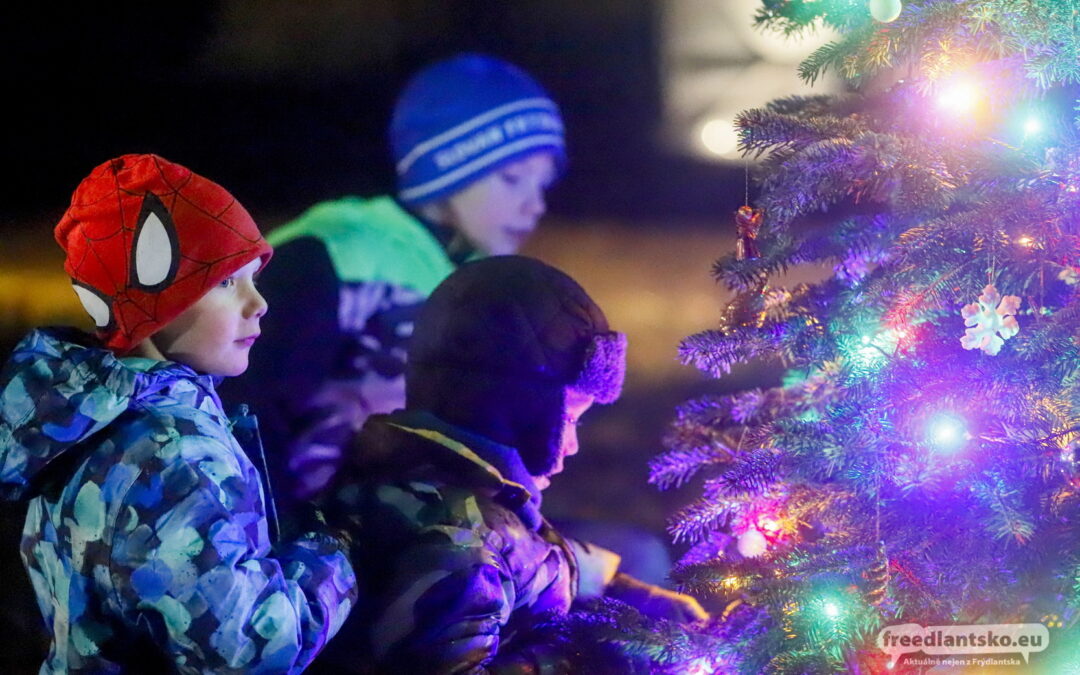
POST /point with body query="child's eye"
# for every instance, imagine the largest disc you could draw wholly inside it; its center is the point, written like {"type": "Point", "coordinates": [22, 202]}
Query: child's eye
{"type": "Point", "coordinates": [510, 178]}
{"type": "Point", "coordinates": [227, 282]}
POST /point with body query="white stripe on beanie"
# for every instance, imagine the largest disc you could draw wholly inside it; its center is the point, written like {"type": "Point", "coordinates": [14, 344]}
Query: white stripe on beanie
{"type": "Point", "coordinates": [418, 191]}
{"type": "Point", "coordinates": [465, 127]}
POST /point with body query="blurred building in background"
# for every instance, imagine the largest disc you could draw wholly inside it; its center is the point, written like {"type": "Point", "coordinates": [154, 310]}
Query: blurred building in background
{"type": "Point", "coordinates": [714, 64]}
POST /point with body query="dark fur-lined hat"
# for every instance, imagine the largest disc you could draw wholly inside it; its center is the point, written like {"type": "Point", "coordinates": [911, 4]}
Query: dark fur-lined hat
{"type": "Point", "coordinates": [497, 344]}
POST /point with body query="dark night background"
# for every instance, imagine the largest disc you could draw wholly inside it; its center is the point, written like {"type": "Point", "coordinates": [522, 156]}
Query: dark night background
{"type": "Point", "coordinates": [286, 103]}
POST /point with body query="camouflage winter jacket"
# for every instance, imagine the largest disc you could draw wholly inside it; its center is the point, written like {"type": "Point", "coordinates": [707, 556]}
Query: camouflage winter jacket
{"type": "Point", "coordinates": [146, 537]}
{"type": "Point", "coordinates": [458, 564]}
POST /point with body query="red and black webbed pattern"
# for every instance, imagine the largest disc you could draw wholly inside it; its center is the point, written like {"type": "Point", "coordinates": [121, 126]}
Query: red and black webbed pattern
{"type": "Point", "coordinates": [145, 239]}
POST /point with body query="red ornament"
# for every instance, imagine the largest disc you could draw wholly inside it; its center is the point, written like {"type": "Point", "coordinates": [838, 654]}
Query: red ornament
{"type": "Point", "coordinates": [747, 223]}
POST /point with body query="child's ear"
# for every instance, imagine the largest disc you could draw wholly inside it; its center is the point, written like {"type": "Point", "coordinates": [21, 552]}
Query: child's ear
{"type": "Point", "coordinates": [437, 212]}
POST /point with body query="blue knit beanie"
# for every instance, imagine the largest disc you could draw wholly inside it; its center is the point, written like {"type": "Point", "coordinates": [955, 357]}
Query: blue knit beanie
{"type": "Point", "coordinates": [460, 119]}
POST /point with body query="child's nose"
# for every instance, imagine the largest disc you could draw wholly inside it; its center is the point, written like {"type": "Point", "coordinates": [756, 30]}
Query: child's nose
{"type": "Point", "coordinates": [257, 306]}
{"type": "Point", "coordinates": [535, 205]}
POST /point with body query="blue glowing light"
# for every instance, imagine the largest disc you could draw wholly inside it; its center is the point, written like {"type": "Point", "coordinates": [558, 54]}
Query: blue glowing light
{"type": "Point", "coordinates": [947, 432]}
{"type": "Point", "coordinates": [1033, 125]}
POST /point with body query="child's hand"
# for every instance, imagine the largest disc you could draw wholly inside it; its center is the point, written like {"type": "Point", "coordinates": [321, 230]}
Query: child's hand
{"type": "Point", "coordinates": [655, 602]}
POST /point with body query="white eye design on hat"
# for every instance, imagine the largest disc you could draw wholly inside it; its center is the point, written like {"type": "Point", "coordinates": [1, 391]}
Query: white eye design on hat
{"type": "Point", "coordinates": [155, 254]}
{"type": "Point", "coordinates": [96, 305]}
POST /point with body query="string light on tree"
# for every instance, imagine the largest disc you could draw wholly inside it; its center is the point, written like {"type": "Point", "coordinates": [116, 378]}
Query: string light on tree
{"type": "Point", "coordinates": [885, 11]}
{"type": "Point", "coordinates": [958, 96]}
{"type": "Point", "coordinates": [947, 432]}
{"type": "Point", "coordinates": [702, 666]}
{"type": "Point", "coordinates": [1033, 126]}
{"type": "Point", "coordinates": [873, 350]}
{"type": "Point", "coordinates": [769, 526]}
{"type": "Point", "coordinates": [829, 608]}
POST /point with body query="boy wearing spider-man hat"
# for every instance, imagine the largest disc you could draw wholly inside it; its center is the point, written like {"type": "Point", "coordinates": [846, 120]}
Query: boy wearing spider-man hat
{"type": "Point", "coordinates": [148, 533]}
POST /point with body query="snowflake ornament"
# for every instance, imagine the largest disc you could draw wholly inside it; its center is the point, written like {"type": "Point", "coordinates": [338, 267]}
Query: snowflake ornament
{"type": "Point", "coordinates": [990, 321]}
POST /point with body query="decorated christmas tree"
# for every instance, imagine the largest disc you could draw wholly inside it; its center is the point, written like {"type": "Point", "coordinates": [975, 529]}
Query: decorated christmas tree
{"type": "Point", "coordinates": [920, 461]}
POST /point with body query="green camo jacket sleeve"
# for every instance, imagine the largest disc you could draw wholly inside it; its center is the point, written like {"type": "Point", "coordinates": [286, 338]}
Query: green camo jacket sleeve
{"type": "Point", "coordinates": [459, 586]}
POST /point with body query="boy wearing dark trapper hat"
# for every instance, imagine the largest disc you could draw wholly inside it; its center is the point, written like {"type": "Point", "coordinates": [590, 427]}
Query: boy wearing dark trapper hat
{"type": "Point", "coordinates": [443, 498]}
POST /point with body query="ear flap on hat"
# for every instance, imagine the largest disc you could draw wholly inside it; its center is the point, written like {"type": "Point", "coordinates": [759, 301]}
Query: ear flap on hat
{"type": "Point", "coordinates": [96, 304]}
{"type": "Point", "coordinates": [605, 367]}
{"type": "Point", "coordinates": [523, 413]}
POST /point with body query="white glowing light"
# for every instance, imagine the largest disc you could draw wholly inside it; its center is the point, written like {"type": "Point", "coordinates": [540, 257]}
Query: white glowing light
{"type": "Point", "coordinates": [958, 97]}
{"type": "Point", "coordinates": [719, 137]}
{"type": "Point", "coordinates": [831, 610]}
{"type": "Point", "coordinates": [947, 432]}
{"type": "Point", "coordinates": [1032, 125]}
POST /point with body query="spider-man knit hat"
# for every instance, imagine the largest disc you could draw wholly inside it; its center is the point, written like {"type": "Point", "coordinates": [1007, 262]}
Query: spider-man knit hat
{"type": "Point", "coordinates": [145, 239]}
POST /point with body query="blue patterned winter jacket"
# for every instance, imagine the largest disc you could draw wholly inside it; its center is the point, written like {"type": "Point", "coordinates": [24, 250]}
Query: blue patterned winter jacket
{"type": "Point", "coordinates": [147, 539]}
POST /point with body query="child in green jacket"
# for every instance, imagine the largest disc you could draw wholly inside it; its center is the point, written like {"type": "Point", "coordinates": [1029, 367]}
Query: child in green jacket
{"type": "Point", "coordinates": [476, 143]}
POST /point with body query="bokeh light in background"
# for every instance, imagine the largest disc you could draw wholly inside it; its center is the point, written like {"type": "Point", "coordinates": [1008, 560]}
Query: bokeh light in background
{"type": "Point", "coordinates": [719, 136]}
{"type": "Point", "coordinates": [715, 64]}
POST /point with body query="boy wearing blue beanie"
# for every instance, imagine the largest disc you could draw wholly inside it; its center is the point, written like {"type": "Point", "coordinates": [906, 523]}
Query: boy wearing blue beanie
{"type": "Point", "coordinates": [476, 143]}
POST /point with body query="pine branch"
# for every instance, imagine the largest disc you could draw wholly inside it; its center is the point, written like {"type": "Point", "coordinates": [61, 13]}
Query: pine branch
{"type": "Point", "coordinates": [751, 475]}
{"type": "Point", "coordinates": [695, 521]}
{"type": "Point", "coordinates": [674, 468]}
{"type": "Point", "coordinates": [1008, 520]}
{"type": "Point", "coordinates": [715, 352]}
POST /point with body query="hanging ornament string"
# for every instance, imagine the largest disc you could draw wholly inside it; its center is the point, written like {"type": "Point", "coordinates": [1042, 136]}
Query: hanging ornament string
{"type": "Point", "coordinates": [746, 181]}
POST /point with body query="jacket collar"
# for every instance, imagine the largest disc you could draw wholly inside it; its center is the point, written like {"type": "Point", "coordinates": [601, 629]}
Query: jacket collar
{"type": "Point", "coordinates": [472, 460]}
{"type": "Point", "coordinates": [458, 250]}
